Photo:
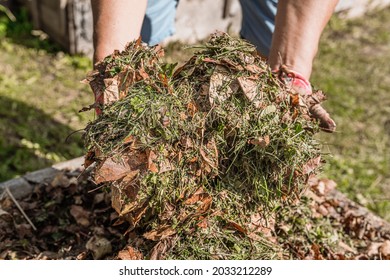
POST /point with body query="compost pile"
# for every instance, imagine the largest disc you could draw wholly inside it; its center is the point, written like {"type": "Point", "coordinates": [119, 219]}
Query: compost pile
{"type": "Point", "coordinates": [194, 155]}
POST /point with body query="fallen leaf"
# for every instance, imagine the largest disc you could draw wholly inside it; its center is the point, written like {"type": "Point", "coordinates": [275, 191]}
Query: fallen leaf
{"type": "Point", "coordinates": [60, 180]}
{"type": "Point", "coordinates": [373, 249]}
{"type": "Point", "coordinates": [192, 109]}
{"type": "Point", "coordinates": [99, 246]}
{"type": "Point", "coordinates": [160, 233]}
{"type": "Point", "coordinates": [5, 215]}
{"type": "Point", "coordinates": [204, 222]}
{"type": "Point", "coordinates": [198, 195]}
{"type": "Point", "coordinates": [81, 216]}
{"type": "Point", "coordinates": [220, 82]}
{"type": "Point", "coordinates": [294, 99]}
{"type": "Point", "coordinates": [129, 139]}
{"type": "Point", "coordinates": [111, 91]}
{"type": "Point", "coordinates": [250, 90]}
{"type": "Point", "coordinates": [159, 250]}
{"type": "Point", "coordinates": [262, 142]}
{"type": "Point", "coordinates": [125, 79]}
{"type": "Point", "coordinates": [260, 224]}
{"type": "Point", "coordinates": [311, 165]}
{"type": "Point", "coordinates": [237, 227]}
{"type": "Point", "coordinates": [115, 168]}
{"type": "Point", "coordinates": [385, 249]}
{"type": "Point", "coordinates": [254, 68]}
{"type": "Point", "coordinates": [152, 167]}
{"type": "Point", "coordinates": [205, 206]}
{"type": "Point", "coordinates": [130, 253]}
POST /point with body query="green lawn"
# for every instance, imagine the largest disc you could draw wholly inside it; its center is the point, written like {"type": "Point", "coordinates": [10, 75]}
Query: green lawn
{"type": "Point", "coordinates": [40, 96]}
{"type": "Point", "coordinates": [353, 69]}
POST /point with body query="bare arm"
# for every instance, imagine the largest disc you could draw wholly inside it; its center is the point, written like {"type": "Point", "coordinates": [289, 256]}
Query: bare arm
{"type": "Point", "coordinates": [299, 24]}
{"type": "Point", "coordinates": [115, 24]}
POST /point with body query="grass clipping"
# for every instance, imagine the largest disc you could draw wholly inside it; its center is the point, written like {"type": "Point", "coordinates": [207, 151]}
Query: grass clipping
{"type": "Point", "coordinates": [198, 157]}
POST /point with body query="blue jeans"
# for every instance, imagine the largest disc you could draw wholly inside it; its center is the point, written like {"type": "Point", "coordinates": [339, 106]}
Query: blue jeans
{"type": "Point", "coordinates": [258, 22]}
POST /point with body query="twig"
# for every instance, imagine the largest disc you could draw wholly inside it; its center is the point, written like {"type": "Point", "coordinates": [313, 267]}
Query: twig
{"type": "Point", "coordinates": [20, 208]}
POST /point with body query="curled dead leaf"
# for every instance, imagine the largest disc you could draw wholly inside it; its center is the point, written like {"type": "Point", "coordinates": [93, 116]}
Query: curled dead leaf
{"type": "Point", "coordinates": [130, 253]}
{"type": "Point", "coordinates": [237, 227]}
{"type": "Point", "coordinates": [205, 206]}
{"type": "Point", "coordinates": [198, 195]}
{"type": "Point", "coordinates": [111, 91]}
{"type": "Point", "coordinates": [160, 233]}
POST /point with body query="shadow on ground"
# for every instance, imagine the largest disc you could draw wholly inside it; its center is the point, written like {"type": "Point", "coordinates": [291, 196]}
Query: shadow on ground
{"type": "Point", "coordinates": [31, 139]}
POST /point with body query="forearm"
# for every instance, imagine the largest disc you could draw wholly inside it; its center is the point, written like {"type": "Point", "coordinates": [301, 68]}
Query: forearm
{"type": "Point", "coordinates": [299, 24]}
{"type": "Point", "coordinates": [115, 24]}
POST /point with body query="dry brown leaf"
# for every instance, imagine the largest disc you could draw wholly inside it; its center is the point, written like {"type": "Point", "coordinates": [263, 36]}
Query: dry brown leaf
{"type": "Point", "coordinates": [373, 249]}
{"type": "Point", "coordinates": [159, 250]}
{"type": "Point", "coordinates": [125, 79]}
{"type": "Point", "coordinates": [130, 253]}
{"type": "Point", "coordinates": [198, 195]}
{"type": "Point", "coordinates": [204, 222]}
{"type": "Point", "coordinates": [111, 91]}
{"type": "Point", "coordinates": [115, 168]}
{"type": "Point", "coordinates": [165, 166]}
{"type": "Point", "coordinates": [220, 82]}
{"type": "Point", "coordinates": [192, 109]}
{"type": "Point", "coordinates": [254, 68]}
{"type": "Point", "coordinates": [205, 206]}
{"type": "Point", "coordinates": [99, 246]}
{"type": "Point", "coordinates": [89, 158]}
{"type": "Point", "coordinates": [317, 253]}
{"type": "Point", "coordinates": [311, 165]}
{"type": "Point", "coordinates": [60, 180]}
{"type": "Point", "coordinates": [385, 250]}
{"type": "Point", "coordinates": [152, 167]}
{"type": "Point", "coordinates": [111, 170]}
{"type": "Point", "coordinates": [116, 200]}
{"type": "Point", "coordinates": [262, 142]}
{"type": "Point", "coordinates": [80, 214]}
{"type": "Point", "coordinates": [237, 227]}
{"type": "Point", "coordinates": [129, 139]}
{"type": "Point", "coordinates": [250, 90]}
{"type": "Point", "coordinates": [259, 224]}
{"type": "Point", "coordinates": [212, 163]}
{"type": "Point", "coordinates": [160, 233]}
{"type": "Point", "coordinates": [231, 64]}
{"type": "Point", "coordinates": [186, 142]}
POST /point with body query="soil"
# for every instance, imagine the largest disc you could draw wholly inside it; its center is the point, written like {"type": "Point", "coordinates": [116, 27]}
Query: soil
{"type": "Point", "coordinates": [74, 220]}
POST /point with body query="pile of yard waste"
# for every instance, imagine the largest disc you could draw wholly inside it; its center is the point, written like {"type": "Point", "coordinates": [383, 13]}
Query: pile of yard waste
{"type": "Point", "coordinates": [215, 159]}
{"type": "Point", "coordinates": [192, 154]}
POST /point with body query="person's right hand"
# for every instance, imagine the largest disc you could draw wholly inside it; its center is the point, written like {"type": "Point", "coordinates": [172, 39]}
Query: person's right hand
{"type": "Point", "coordinates": [297, 83]}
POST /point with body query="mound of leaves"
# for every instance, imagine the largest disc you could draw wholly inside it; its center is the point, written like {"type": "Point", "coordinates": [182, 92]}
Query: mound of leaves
{"type": "Point", "coordinates": [192, 155]}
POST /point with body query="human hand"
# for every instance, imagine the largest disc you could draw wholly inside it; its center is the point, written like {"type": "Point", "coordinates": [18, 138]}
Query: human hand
{"type": "Point", "coordinates": [299, 84]}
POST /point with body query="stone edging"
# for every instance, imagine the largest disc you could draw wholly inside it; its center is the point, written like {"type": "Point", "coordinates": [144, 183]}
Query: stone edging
{"type": "Point", "coordinates": [24, 185]}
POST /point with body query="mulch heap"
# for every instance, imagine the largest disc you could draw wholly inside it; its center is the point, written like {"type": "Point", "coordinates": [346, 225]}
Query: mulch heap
{"type": "Point", "coordinates": [200, 158]}
{"type": "Point", "coordinates": [192, 155]}
{"type": "Point", "coordinates": [215, 159]}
